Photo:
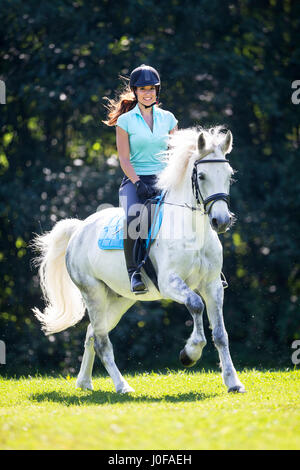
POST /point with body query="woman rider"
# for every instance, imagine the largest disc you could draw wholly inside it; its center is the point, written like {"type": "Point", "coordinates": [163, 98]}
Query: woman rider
{"type": "Point", "coordinates": [142, 129]}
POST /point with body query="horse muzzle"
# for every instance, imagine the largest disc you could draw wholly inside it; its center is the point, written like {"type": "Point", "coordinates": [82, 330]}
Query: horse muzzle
{"type": "Point", "coordinates": [220, 223]}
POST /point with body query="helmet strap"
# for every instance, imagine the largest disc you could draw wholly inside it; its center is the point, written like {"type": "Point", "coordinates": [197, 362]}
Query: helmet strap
{"type": "Point", "coordinates": [149, 105]}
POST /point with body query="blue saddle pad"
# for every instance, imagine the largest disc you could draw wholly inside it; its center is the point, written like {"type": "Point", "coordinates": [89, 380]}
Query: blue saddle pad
{"type": "Point", "coordinates": [111, 236]}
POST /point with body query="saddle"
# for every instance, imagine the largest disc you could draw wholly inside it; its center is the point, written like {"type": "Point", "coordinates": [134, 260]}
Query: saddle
{"type": "Point", "coordinates": [150, 219]}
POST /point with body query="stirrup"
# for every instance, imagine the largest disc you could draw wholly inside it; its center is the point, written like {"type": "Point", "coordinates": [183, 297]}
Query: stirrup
{"type": "Point", "coordinates": [223, 280]}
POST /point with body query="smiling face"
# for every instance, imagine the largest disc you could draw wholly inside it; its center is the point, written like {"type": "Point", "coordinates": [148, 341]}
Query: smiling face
{"type": "Point", "coordinates": [146, 94]}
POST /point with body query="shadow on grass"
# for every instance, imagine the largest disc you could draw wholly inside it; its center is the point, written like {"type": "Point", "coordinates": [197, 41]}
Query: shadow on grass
{"type": "Point", "coordinates": [103, 398]}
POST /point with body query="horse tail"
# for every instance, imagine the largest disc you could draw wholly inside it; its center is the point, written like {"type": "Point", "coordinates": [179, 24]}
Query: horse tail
{"type": "Point", "coordinates": [64, 304]}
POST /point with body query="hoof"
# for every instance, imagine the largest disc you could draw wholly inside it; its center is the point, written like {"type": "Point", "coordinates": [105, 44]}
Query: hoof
{"type": "Point", "coordinates": [186, 361]}
{"type": "Point", "coordinates": [237, 389]}
{"type": "Point", "coordinates": [126, 389]}
{"type": "Point", "coordinates": [84, 385]}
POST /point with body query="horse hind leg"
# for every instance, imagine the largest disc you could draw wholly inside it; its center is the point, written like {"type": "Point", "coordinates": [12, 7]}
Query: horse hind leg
{"type": "Point", "coordinates": [84, 379]}
{"type": "Point", "coordinates": [105, 309]}
{"type": "Point", "coordinates": [104, 350]}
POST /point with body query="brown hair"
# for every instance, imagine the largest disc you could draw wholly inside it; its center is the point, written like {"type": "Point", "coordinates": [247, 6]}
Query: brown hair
{"type": "Point", "coordinates": [125, 102]}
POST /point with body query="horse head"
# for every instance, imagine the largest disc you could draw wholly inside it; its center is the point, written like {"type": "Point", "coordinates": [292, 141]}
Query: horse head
{"type": "Point", "coordinates": [212, 175]}
{"type": "Point", "coordinates": [199, 155]}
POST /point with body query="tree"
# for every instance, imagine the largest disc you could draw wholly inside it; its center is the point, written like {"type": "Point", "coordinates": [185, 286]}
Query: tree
{"type": "Point", "coordinates": [220, 63]}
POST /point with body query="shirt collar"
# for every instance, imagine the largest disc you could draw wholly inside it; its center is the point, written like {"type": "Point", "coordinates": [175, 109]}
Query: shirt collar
{"type": "Point", "coordinates": [137, 110]}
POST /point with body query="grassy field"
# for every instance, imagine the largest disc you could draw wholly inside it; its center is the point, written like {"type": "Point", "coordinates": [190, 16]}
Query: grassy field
{"type": "Point", "coordinates": [177, 410]}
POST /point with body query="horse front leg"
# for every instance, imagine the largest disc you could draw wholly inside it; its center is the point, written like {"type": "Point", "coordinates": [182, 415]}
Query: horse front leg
{"type": "Point", "coordinates": [213, 295]}
{"type": "Point", "coordinates": [175, 288]}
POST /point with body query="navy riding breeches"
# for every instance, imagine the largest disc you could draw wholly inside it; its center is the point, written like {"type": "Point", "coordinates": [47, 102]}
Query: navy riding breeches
{"type": "Point", "coordinates": [132, 204]}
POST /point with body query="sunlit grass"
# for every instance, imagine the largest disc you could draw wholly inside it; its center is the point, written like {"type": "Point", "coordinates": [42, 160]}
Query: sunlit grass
{"type": "Point", "coordinates": [177, 410]}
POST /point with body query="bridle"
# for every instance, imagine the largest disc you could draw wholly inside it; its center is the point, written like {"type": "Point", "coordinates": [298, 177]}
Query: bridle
{"type": "Point", "coordinates": [197, 192]}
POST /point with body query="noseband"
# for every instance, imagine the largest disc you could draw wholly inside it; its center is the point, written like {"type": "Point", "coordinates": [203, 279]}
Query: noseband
{"type": "Point", "coordinates": [196, 189]}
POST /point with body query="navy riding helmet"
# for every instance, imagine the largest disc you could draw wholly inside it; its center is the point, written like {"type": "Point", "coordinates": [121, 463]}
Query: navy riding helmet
{"type": "Point", "coordinates": [145, 75]}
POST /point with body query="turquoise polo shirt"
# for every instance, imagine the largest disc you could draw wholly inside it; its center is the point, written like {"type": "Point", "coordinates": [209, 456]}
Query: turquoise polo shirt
{"type": "Point", "coordinates": [146, 145]}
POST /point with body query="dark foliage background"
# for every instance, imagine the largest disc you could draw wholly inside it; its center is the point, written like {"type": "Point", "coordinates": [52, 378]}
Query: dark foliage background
{"type": "Point", "coordinates": [230, 63]}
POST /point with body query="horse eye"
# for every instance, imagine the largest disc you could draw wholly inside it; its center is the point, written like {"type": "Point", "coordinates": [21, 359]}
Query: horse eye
{"type": "Point", "coordinates": [201, 176]}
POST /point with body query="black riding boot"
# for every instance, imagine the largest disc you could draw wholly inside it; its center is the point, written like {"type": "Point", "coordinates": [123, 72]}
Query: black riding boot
{"type": "Point", "coordinates": [136, 283]}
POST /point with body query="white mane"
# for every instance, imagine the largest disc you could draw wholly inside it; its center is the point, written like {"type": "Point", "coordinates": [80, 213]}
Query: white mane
{"type": "Point", "coordinates": [183, 147]}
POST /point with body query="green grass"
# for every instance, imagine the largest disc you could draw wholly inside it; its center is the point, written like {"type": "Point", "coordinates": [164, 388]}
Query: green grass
{"type": "Point", "coordinates": [177, 410]}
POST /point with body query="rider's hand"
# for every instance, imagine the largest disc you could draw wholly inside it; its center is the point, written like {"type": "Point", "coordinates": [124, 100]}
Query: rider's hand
{"type": "Point", "coordinates": [143, 191]}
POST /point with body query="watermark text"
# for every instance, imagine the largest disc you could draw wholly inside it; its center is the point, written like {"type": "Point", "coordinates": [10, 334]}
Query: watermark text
{"type": "Point", "coordinates": [296, 354]}
{"type": "Point", "coordinates": [2, 92]}
{"type": "Point", "coordinates": [2, 353]}
{"type": "Point", "coordinates": [296, 94]}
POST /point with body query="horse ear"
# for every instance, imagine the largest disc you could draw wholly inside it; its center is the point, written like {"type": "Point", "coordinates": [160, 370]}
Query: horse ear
{"type": "Point", "coordinates": [227, 145]}
{"type": "Point", "coordinates": [201, 142]}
